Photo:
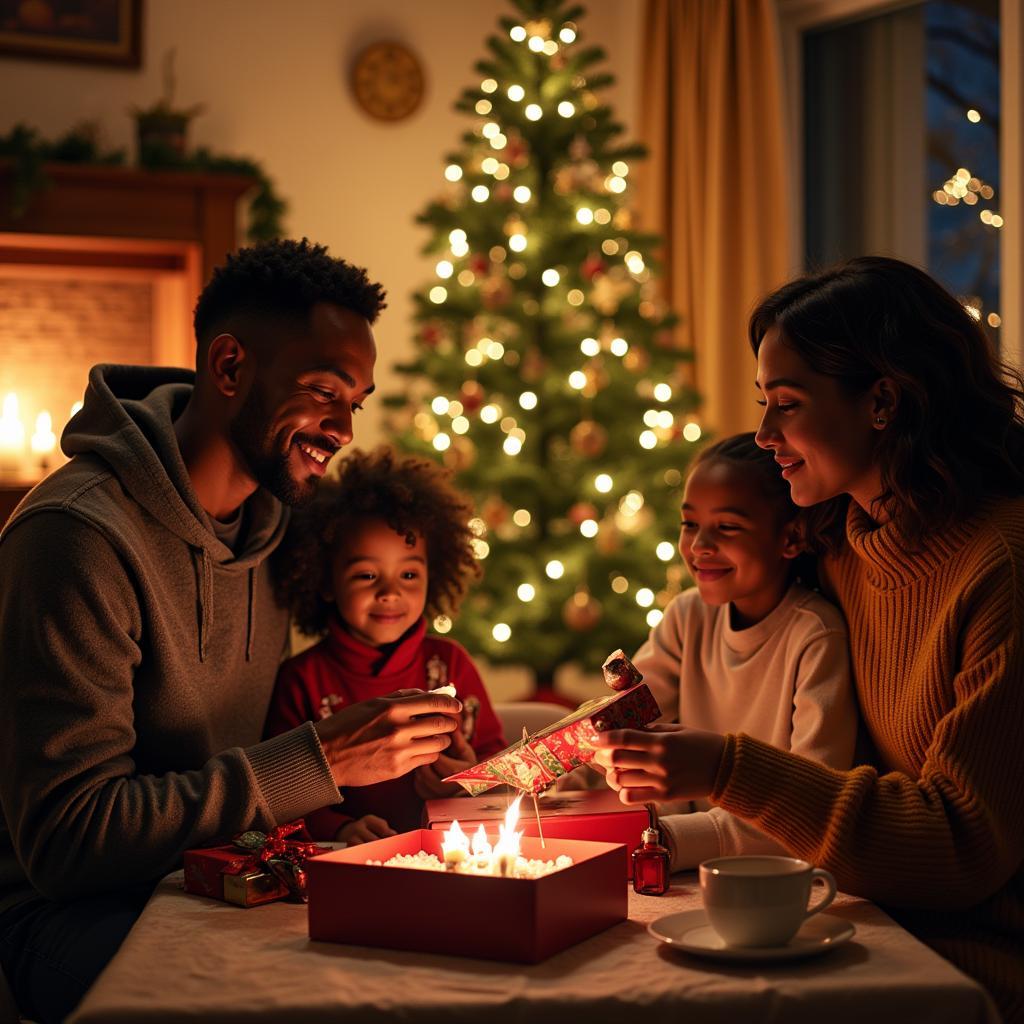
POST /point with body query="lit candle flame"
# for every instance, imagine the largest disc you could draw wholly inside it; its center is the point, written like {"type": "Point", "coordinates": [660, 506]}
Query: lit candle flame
{"type": "Point", "coordinates": [481, 844]}
{"type": "Point", "coordinates": [506, 850]}
{"type": "Point", "coordinates": [455, 845]}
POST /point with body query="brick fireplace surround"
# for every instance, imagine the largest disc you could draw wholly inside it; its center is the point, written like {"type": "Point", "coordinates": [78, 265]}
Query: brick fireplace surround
{"type": "Point", "coordinates": [103, 267]}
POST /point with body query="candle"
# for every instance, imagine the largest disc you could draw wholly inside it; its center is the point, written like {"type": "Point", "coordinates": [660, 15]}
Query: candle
{"type": "Point", "coordinates": [481, 849]}
{"type": "Point", "coordinates": [506, 850]}
{"type": "Point", "coordinates": [454, 846]}
{"type": "Point", "coordinates": [12, 437]}
{"type": "Point", "coordinates": [43, 440]}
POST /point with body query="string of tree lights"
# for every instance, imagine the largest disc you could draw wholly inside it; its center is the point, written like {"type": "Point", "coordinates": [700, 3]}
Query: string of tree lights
{"type": "Point", "coordinates": [544, 372]}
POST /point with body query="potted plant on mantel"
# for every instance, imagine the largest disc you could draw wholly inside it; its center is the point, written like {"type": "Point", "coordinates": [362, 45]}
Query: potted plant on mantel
{"type": "Point", "coordinates": [162, 130]}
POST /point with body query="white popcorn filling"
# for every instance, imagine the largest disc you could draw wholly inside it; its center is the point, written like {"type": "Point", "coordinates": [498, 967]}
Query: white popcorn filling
{"type": "Point", "coordinates": [517, 867]}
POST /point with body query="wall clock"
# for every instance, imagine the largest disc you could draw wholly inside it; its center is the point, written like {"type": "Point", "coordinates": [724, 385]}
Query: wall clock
{"type": "Point", "coordinates": [387, 81]}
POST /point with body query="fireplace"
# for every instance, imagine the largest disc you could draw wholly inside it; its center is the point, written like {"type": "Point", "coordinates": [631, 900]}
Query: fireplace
{"type": "Point", "coordinates": [105, 266]}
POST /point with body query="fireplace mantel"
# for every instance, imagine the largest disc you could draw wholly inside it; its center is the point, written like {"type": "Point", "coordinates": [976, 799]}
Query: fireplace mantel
{"type": "Point", "coordinates": [169, 228]}
{"type": "Point", "coordinates": [124, 202]}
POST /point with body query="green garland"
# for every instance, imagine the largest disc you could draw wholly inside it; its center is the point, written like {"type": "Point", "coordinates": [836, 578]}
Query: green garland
{"type": "Point", "coordinates": [79, 146]}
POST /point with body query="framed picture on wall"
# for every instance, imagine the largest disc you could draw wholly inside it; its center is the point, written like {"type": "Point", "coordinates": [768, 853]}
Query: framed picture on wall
{"type": "Point", "coordinates": [93, 31]}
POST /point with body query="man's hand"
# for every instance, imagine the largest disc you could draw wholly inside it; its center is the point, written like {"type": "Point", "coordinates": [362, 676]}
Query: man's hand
{"type": "Point", "coordinates": [459, 757]}
{"type": "Point", "coordinates": [385, 737]}
{"type": "Point", "coordinates": [662, 762]}
{"type": "Point", "coordinates": [364, 830]}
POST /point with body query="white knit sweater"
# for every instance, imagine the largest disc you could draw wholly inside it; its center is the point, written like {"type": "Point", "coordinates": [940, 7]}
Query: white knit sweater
{"type": "Point", "coordinates": [784, 680]}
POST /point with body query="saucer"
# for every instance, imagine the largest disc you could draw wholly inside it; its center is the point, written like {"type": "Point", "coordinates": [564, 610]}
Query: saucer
{"type": "Point", "coordinates": [690, 931]}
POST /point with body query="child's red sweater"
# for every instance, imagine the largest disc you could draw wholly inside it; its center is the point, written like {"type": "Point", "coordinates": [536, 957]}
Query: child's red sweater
{"type": "Point", "coordinates": [342, 670]}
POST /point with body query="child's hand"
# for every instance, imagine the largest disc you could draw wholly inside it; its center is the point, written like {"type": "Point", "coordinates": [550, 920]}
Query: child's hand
{"type": "Point", "coordinates": [364, 830]}
{"type": "Point", "coordinates": [458, 757]}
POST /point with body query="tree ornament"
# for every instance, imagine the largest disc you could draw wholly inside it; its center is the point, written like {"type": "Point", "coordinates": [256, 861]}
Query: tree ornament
{"type": "Point", "coordinates": [471, 396]}
{"type": "Point", "coordinates": [592, 266]}
{"type": "Point", "coordinates": [516, 152]}
{"type": "Point", "coordinates": [460, 456]}
{"type": "Point", "coordinates": [479, 263]}
{"type": "Point", "coordinates": [580, 511]}
{"type": "Point", "coordinates": [582, 612]}
{"type": "Point", "coordinates": [495, 292]}
{"type": "Point", "coordinates": [431, 334]}
{"type": "Point", "coordinates": [636, 360]}
{"type": "Point", "coordinates": [608, 539]}
{"type": "Point", "coordinates": [534, 365]}
{"type": "Point", "coordinates": [588, 438]}
{"type": "Point", "coordinates": [494, 512]}
{"type": "Point", "coordinates": [607, 293]}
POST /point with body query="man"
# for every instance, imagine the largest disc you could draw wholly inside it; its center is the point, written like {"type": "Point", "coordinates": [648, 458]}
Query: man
{"type": "Point", "coordinates": [139, 635]}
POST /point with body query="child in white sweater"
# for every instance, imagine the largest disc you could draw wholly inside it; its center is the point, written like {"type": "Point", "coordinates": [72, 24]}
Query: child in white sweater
{"type": "Point", "coordinates": [749, 649]}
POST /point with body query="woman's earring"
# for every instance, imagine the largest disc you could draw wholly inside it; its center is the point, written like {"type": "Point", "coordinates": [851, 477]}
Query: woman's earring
{"type": "Point", "coordinates": [880, 421]}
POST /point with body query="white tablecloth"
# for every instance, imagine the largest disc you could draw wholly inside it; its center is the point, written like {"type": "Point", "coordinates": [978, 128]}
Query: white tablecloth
{"type": "Point", "coordinates": [193, 959]}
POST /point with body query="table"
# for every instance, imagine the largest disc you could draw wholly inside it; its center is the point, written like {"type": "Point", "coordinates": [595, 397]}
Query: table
{"type": "Point", "coordinates": [193, 959]}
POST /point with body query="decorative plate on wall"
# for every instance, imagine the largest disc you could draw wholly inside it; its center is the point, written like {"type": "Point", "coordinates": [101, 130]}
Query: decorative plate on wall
{"type": "Point", "coordinates": [387, 81]}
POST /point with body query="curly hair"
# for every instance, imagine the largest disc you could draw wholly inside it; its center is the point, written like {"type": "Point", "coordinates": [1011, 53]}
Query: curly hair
{"type": "Point", "coordinates": [957, 434]}
{"type": "Point", "coordinates": [282, 279]}
{"type": "Point", "coordinates": [413, 496]}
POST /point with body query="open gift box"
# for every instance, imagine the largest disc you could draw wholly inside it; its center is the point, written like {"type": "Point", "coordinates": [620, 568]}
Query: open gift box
{"type": "Point", "coordinates": [535, 762]}
{"type": "Point", "coordinates": [523, 920]}
{"type": "Point", "coordinates": [594, 814]}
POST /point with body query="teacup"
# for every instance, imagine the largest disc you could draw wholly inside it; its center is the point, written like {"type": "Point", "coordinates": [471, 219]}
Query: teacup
{"type": "Point", "coordinates": [760, 901]}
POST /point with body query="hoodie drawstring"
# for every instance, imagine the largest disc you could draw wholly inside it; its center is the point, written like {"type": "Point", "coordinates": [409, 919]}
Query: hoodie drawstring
{"type": "Point", "coordinates": [252, 613]}
{"type": "Point", "coordinates": [204, 597]}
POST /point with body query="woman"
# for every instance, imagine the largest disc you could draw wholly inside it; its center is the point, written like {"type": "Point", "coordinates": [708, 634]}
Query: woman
{"type": "Point", "coordinates": [886, 410]}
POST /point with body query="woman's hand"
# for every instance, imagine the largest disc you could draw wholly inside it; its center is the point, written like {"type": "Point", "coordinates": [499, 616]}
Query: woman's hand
{"type": "Point", "coordinates": [662, 762]}
{"type": "Point", "coordinates": [364, 830]}
{"type": "Point", "coordinates": [457, 758]}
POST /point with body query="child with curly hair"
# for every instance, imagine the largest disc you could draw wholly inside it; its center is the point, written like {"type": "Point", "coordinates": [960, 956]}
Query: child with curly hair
{"type": "Point", "coordinates": [386, 542]}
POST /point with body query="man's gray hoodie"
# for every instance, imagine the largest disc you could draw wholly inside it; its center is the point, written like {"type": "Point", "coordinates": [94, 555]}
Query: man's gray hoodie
{"type": "Point", "coordinates": [137, 658]}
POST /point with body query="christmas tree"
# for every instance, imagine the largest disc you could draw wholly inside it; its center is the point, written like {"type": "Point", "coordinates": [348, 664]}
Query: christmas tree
{"type": "Point", "coordinates": [544, 371]}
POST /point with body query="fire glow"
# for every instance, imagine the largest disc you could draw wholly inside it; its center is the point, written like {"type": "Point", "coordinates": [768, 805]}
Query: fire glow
{"type": "Point", "coordinates": [478, 856]}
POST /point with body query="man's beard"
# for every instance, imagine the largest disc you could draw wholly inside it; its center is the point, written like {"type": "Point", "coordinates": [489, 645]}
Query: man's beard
{"type": "Point", "coordinates": [252, 435]}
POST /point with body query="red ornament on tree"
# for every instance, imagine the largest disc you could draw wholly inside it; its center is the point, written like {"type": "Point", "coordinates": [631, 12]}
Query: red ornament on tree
{"type": "Point", "coordinates": [479, 263]}
{"type": "Point", "coordinates": [471, 396]}
{"type": "Point", "coordinates": [515, 151]}
{"type": "Point", "coordinates": [588, 439]}
{"type": "Point", "coordinates": [592, 266]}
{"type": "Point", "coordinates": [431, 334]}
{"type": "Point", "coordinates": [580, 511]}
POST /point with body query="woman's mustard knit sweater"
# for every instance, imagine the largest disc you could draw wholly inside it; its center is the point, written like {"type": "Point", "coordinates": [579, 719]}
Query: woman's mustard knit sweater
{"type": "Point", "coordinates": [933, 830]}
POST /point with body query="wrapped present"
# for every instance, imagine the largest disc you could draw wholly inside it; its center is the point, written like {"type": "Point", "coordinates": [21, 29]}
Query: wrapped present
{"type": "Point", "coordinates": [257, 867]}
{"type": "Point", "coordinates": [535, 762]}
{"type": "Point", "coordinates": [597, 815]}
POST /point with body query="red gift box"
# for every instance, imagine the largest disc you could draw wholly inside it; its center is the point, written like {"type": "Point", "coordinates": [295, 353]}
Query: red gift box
{"type": "Point", "coordinates": [209, 872]}
{"type": "Point", "coordinates": [513, 919]}
{"type": "Point", "coordinates": [535, 762]}
{"type": "Point", "coordinates": [596, 815]}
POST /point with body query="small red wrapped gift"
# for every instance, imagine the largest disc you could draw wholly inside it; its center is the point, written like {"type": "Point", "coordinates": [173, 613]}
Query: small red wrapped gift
{"type": "Point", "coordinates": [257, 867]}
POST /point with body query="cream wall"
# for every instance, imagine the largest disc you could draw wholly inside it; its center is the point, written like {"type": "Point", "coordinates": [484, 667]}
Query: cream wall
{"type": "Point", "coordinates": [273, 76]}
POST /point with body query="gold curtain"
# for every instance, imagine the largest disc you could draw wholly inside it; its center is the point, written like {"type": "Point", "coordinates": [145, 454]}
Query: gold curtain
{"type": "Point", "coordinates": [716, 185]}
